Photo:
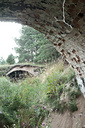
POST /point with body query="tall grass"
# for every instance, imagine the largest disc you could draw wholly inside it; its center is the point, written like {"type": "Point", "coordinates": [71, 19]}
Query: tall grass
{"type": "Point", "coordinates": [27, 103]}
{"type": "Point", "coordinates": [24, 100]}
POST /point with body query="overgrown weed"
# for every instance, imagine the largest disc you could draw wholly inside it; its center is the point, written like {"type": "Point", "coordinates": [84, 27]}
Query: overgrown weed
{"type": "Point", "coordinates": [28, 102]}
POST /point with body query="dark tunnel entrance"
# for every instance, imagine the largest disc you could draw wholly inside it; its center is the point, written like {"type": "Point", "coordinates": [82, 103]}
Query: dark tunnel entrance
{"type": "Point", "coordinates": [18, 75]}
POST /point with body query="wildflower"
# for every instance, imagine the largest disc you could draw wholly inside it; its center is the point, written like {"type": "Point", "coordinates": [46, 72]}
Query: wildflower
{"type": "Point", "coordinates": [43, 107]}
{"type": "Point", "coordinates": [43, 124]}
{"type": "Point", "coordinates": [74, 117]}
{"type": "Point", "coordinates": [80, 114]}
{"type": "Point", "coordinates": [49, 121]}
{"type": "Point", "coordinates": [56, 110]}
{"type": "Point", "coordinates": [24, 124]}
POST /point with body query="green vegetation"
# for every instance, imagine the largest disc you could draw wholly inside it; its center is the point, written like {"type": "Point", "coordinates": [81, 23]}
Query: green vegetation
{"type": "Point", "coordinates": [3, 69]}
{"type": "Point", "coordinates": [32, 46]}
{"type": "Point", "coordinates": [72, 106]}
{"type": "Point", "coordinates": [27, 103]}
{"type": "Point", "coordinates": [57, 88]}
{"type": "Point", "coordinates": [2, 61]}
{"type": "Point", "coordinates": [10, 59]}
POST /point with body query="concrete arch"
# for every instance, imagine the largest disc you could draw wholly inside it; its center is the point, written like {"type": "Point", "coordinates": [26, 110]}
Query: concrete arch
{"type": "Point", "coordinates": [19, 74]}
{"type": "Point", "coordinates": [62, 22]}
{"type": "Point", "coordinates": [24, 69]}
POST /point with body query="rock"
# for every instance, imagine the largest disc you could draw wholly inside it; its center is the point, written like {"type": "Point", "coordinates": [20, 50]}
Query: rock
{"type": "Point", "coordinates": [80, 82]}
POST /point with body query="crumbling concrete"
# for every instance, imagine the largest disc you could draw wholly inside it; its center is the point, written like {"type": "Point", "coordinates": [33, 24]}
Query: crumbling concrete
{"type": "Point", "coordinates": [62, 22]}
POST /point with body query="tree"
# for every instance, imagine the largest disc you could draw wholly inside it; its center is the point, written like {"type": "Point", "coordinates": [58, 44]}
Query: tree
{"type": "Point", "coordinates": [11, 59]}
{"type": "Point", "coordinates": [25, 44]}
{"type": "Point", "coordinates": [46, 52]}
{"type": "Point", "coordinates": [34, 47]}
{"type": "Point", "coordinates": [2, 61]}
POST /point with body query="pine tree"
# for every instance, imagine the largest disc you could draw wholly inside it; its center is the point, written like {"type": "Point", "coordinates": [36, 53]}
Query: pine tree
{"type": "Point", "coordinates": [2, 61]}
{"type": "Point", "coordinates": [25, 44]}
{"type": "Point", "coordinates": [10, 59]}
{"type": "Point", "coordinates": [46, 52]}
{"type": "Point", "coordinates": [34, 47]}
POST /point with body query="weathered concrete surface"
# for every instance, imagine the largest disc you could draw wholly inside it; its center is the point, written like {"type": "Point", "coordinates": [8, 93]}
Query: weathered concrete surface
{"type": "Point", "coordinates": [24, 69]}
{"type": "Point", "coordinates": [62, 22]}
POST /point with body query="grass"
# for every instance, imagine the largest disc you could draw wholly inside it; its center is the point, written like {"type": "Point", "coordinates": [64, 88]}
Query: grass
{"type": "Point", "coordinates": [24, 99]}
{"type": "Point", "coordinates": [25, 63]}
{"type": "Point", "coordinates": [27, 103]}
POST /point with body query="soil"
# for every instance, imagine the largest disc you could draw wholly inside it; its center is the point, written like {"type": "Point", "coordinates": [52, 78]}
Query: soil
{"type": "Point", "coordinates": [68, 119]}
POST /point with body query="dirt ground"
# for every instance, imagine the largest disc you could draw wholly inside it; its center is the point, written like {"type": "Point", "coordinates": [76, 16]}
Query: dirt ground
{"type": "Point", "coordinates": [68, 119]}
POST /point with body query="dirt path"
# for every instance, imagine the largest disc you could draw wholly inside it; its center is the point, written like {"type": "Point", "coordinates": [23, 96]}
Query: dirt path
{"type": "Point", "coordinates": [68, 119]}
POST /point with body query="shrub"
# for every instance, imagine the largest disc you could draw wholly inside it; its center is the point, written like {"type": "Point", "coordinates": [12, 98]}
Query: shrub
{"type": "Point", "coordinates": [21, 99]}
{"type": "Point", "coordinates": [60, 106]}
{"type": "Point", "coordinates": [51, 91]}
{"type": "Point", "coordinates": [72, 95]}
{"type": "Point", "coordinates": [28, 118]}
{"type": "Point", "coordinates": [55, 88]}
{"type": "Point", "coordinates": [60, 89]}
{"type": "Point", "coordinates": [72, 106]}
{"type": "Point", "coordinates": [23, 103]}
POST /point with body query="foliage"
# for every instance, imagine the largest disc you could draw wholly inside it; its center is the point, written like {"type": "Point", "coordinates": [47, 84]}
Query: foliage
{"type": "Point", "coordinates": [60, 106]}
{"type": "Point", "coordinates": [2, 61]}
{"type": "Point", "coordinates": [23, 99]}
{"type": "Point", "coordinates": [46, 52]}
{"type": "Point", "coordinates": [10, 59]}
{"type": "Point", "coordinates": [3, 69]}
{"type": "Point", "coordinates": [2, 72]}
{"type": "Point", "coordinates": [34, 47]}
{"type": "Point", "coordinates": [72, 106]}
{"type": "Point", "coordinates": [27, 103]}
{"type": "Point", "coordinates": [25, 44]}
{"type": "Point", "coordinates": [74, 94]}
{"type": "Point", "coordinates": [56, 87]}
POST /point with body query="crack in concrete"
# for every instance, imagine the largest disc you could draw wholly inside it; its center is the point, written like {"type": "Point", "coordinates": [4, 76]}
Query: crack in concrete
{"type": "Point", "coordinates": [64, 19]}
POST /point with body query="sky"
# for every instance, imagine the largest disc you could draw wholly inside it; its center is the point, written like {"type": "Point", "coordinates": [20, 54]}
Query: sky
{"type": "Point", "coordinates": [8, 31]}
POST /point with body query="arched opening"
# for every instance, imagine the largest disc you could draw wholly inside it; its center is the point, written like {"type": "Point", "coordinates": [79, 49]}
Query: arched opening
{"type": "Point", "coordinates": [67, 34]}
{"type": "Point", "coordinates": [8, 31]}
{"type": "Point", "coordinates": [19, 74]}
